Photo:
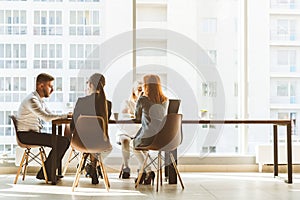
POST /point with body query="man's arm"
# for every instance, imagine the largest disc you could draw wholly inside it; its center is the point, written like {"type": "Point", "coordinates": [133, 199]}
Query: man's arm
{"type": "Point", "coordinates": [36, 107]}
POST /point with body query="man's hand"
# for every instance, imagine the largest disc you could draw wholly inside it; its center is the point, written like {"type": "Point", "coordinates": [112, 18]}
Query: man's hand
{"type": "Point", "coordinates": [70, 115]}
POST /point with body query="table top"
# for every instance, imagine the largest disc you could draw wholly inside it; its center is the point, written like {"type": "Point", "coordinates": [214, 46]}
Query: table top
{"type": "Point", "coordinates": [197, 121]}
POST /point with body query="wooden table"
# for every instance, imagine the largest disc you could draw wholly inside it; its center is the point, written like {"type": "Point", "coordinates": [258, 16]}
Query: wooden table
{"type": "Point", "coordinates": [275, 123]}
{"type": "Point", "coordinates": [172, 175]}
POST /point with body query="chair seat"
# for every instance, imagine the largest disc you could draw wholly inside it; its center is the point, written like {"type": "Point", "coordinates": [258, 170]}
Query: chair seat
{"type": "Point", "coordinates": [28, 156]}
{"type": "Point", "coordinates": [91, 137]}
{"type": "Point", "coordinates": [167, 139]}
{"type": "Point", "coordinates": [28, 146]}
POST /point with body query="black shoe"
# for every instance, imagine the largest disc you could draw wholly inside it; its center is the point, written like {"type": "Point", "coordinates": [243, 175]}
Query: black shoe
{"type": "Point", "coordinates": [95, 180]}
{"type": "Point", "coordinates": [59, 176]}
{"type": "Point", "coordinates": [142, 178]}
{"type": "Point", "coordinates": [149, 178]}
{"type": "Point", "coordinates": [126, 173]}
{"type": "Point", "coordinates": [94, 177]}
{"type": "Point", "coordinates": [40, 176]}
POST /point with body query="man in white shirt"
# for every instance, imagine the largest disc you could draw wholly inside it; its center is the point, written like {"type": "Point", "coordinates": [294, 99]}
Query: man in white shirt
{"type": "Point", "coordinates": [31, 113]}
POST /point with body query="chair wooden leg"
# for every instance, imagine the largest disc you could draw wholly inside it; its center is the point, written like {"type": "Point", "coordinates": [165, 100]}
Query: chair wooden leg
{"type": "Point", "coordinates": [105, 177]}
{"type": "Point", "coordinates": [26, 164]}
{"type": "Point", "coordinates": [158, 169]}
{"type": "Point", "coordinates": [75, 183]}
{"type": "Point", "coordinates": [68, 162]}
{"type": "Point", "coordinates": [20, 167]}
{"type": "Point", "coordinates": [141, 171]}
{"type": "Point", "coordinates": [44, 153]}
{"type": "Point", "coordinates": [43, 165]}
{"type": "Point", "coordinates": [175, 167]}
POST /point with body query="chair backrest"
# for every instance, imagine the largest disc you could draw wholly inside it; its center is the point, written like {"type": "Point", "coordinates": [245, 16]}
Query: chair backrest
{"type": "Point", "coordinates": [173, 105]}
{"type": "Point", "coordinates": [170, 135]}
{"type": "Point", "coordinates": [90, 136]}
{"type": "Point", "coordinates": [15, 123]}
{"type": "Point", "coordinates": [14, 120]}
{"type": "Point", "coordinates": [109, 105]}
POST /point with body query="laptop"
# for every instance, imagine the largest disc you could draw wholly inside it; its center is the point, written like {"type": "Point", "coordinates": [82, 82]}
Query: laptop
{"type": "Point", "coordinates": [173, 105]}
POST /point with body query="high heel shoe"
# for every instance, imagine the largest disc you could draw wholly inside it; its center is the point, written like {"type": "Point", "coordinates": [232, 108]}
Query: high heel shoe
{"type": "Point", "coordinates": [94, 176]}
{"type": "Point", "coordinates": [142, 178]}
{"type": "Point", "coordinates": [126, 173]}
{"type": "Point", "coordinates": [149, 178]}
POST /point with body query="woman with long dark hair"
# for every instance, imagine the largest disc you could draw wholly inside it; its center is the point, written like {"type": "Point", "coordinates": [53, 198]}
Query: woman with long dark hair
{"type": "Point", "coordinates": [93, 104]}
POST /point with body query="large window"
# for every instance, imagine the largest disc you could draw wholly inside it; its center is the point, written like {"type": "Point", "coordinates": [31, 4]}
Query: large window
{"type": "Point", "coordinates": [59, 36]}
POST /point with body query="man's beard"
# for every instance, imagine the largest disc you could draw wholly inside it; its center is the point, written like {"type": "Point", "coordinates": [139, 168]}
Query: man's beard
{"type": "Point", "coordinates": [46, 95]}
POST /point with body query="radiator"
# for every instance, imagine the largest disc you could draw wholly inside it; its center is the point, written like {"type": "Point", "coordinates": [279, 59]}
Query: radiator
{"type": "Point", "coordinates": [264, 154]}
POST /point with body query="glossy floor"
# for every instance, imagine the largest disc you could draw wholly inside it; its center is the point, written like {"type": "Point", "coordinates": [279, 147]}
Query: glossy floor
{"type": "Point", "coordinates": [233, 186]}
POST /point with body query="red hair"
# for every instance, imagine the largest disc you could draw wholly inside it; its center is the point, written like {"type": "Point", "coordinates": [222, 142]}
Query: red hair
{"type": "Point", "coordinates": [153, 89]}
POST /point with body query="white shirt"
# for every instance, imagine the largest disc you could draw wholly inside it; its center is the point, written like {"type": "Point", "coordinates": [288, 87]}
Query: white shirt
{"type": "Point", "coordinates": [127, 129]}
{"type": "Point", "coordinates": [32, 111]}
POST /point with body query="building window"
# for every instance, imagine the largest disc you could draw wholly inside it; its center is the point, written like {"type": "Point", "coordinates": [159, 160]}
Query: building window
{"type": "Point", "coordinates": [236, 89]}
{"type": "Point", "coordinates": [13, 56]}
{"type": "Point", "coordinates": [286, 88]}
{"type": "Point", "coordinates": [80, 57]}
{"type": "Point", "coordinates": [158, 47]}
{"type": "Point", "coordinates": [286, 92]}
{"type": "Point", "coordinates": [209, 89]}
{"type": "Point", "coordinates": [6, 127]}
{"type": "Point", "coordinates": [286, 29]}
{"type": "Point", "coordinates": [209, 25]}
{"type": "Point", "coordinates": [287, 115]}
{"type": "Point", "coordinates": [48, 23]}
{"type": "Point", "coordinates": [13, 89]}
{"type": "Point", "coordinates": [213, 55]}
{"type": "Point", "coordinates": [283, 4]}
{"type": "Point", "coordinates": [48, 56]}
{"type": "Point", "coordinates": [287, 58]}
{"type": "Point", "coordinates": [209, 149]}
{"type": "Point", "coordinates": [282, 89]}
{"type": "Point", "coordinates": [77, 88]}
{"type": "Point", "coordinates": [84, 0]}
{"type": "Point", "coordinates": [13, 22]}
{"type": "Point", "coordinates": [85, 22]}
{"type": "Point", "coordinates": [49, 0]}
{"type": "Point", "coordinates": [156, 13]}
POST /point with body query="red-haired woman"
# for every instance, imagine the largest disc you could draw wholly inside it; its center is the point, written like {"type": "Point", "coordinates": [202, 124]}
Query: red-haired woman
{"type": "Point", "coordinates": [151, 108]}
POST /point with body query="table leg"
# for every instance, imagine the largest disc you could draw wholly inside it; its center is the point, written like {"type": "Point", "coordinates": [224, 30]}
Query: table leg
{"type": "Point", "coordinates": [289, 153]}
{"type": "Point", "coordinates": [59, 161]}
{"type": "Point", "coordinates": [172, 172]}
{"type": "Point", "coordinates": [54, 152]}
{"type": "Point", "coordinates": [275, 147]}
{"type": "Point", "coordinates": [167, 164]}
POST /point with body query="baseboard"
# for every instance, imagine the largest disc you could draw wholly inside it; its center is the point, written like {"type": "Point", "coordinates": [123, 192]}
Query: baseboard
{"type": "Point", "coordinates": [182, 168]}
